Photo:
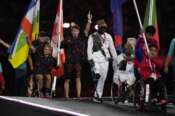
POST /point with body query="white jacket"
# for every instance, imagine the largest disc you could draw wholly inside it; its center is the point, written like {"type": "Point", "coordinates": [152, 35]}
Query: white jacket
{"type": "Point", "coordinates": [107, 46]}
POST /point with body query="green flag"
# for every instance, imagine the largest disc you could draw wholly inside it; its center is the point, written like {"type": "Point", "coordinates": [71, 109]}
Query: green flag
{"type": "Point", "coordinates": [151, 18]}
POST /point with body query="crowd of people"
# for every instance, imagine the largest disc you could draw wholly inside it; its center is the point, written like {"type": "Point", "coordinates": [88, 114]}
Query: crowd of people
{"type": "Point", "coordinates": [135, 62]}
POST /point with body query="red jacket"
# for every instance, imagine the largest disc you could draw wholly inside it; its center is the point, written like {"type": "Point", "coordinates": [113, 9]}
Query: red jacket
{"type": "Point", "coordinates": [144, 67]}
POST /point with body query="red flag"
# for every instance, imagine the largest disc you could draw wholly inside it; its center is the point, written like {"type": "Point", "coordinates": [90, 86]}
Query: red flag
{"type": "Point", "coordinates": [57, 37]}
{"type": "Point", "coordinates": [57, 33]}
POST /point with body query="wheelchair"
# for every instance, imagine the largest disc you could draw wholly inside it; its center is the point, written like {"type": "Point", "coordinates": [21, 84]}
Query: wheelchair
{"type": "Point", "coordinates": [142, 98]}
{"type": "Point", "coordinates": [121, 92]}
{"type": "Point", "coordinates": [37, 92]}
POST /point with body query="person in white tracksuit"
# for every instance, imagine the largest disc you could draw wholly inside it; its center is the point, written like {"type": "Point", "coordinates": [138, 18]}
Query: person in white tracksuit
{"type": "Point", "coordinates": [100, 46]}
{"type": "Point", "coordinates": [124, 67]}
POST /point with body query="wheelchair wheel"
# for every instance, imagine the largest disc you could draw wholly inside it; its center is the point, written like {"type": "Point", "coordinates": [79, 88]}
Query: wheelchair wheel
{"type": "Point", "coordinates": [163, 108]}
{"type": "Point", "coordinates": [114, 93]}
{"type": "Point", "coordinates": [139, 92]}
{"type": "Point", "coordinates": [118, 92]}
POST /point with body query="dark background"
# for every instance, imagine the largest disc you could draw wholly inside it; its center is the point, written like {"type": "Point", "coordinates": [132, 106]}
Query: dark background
{"type": "Point", "coordinates": [12, 11]}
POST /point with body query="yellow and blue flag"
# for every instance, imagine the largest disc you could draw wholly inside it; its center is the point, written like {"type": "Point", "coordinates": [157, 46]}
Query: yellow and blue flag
{"type": "Point", "coordinates": [20, 47]}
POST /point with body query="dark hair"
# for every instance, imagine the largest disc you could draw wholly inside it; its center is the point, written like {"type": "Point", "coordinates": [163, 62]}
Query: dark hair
{"type": "Point", "coordinates": [43, 33]}
{"type": "Point", "coordinates": [47, 45]}
{"type": "Point", "coordinates": [153, 45]}
{"type": "Point", "coordinates": [150, 30]}
{"type": "Point", "coordinates": [75, 27]}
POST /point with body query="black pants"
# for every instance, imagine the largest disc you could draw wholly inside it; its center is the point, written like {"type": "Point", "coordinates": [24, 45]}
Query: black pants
{"type": "Point", "coordinates": [156, 86]}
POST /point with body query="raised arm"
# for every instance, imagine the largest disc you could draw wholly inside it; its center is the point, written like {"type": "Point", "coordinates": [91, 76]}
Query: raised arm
{"type": "Point", "coordinates": [89, 48]}
{"type": "Point", "coordinates": [88, 25]}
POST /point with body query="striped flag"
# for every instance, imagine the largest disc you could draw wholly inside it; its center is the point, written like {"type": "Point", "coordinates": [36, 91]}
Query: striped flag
{"type": "Point", "coordinates": [20, 47]}
{"type": "Point", "coordinates": [35, 31]}
{"type": "Point", "coordinates": [151, 18]}
{"type": "Point", "coordinates": [57, 37]}
{"type": "Point", "coordinates": [116, 9]}
{"type": "Point", "coordinates": [57, 33]}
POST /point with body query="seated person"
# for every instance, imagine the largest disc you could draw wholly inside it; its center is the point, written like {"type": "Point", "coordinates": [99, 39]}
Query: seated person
{"type": "Point", "coordinates": [123, 69]}
{"type": "Point", "coordinates": [42, 70]}
{"type": "Point", "coordinates": [124, 72]}
{"type": "Point", "coordinates": [152, 75]}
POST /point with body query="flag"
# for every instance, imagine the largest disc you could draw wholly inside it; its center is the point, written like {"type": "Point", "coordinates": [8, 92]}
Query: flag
{"type": "Point", "coordinates": [57, 33]}
{"type": "Point", "coordinates": [116, 9]}
{"type": "Point", "coordinates": [2, 82]}
{"type": "Point", "coordinates": [35, 31]}
{"type": "Point", "coordinates": [20, 47]}
{"type": "Point", "coordinates": [1, 68]}
{"type": "Point", "coordinates": [151, 18]}
{"type": "Point", "coordinates": [138, 50]}
{"type": "Point", "coordinates": [57, 37]}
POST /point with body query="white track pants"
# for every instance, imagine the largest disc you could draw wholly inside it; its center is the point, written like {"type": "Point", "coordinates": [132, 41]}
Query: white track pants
{"type": "Point", "coordinates": [103, 70]}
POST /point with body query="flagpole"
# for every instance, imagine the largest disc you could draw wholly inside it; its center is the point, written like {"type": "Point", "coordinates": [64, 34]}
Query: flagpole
{"type": "Point", "coordinates": [59, 33]}
{"type": "Point", "coordinates": [143, 33]}
{"type": "Point", "coordinates": [59, 29]}
{"type": "Point", "coordinates": [141, 26]}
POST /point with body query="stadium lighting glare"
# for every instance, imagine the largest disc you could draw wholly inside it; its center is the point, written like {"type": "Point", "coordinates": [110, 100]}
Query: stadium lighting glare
{"type": "Point", "coordinates": [96, 27]}
{"type": "Point", "coordinates": [66, 25]}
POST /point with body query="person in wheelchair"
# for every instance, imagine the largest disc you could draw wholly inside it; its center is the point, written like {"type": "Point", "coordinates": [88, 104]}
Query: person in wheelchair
{"type": "Point", "coordinates": [152, 78]}
{"type": "Point", "coordinates": [42, 71]}
{"type": "Point", "coordinates": [124, 71]}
